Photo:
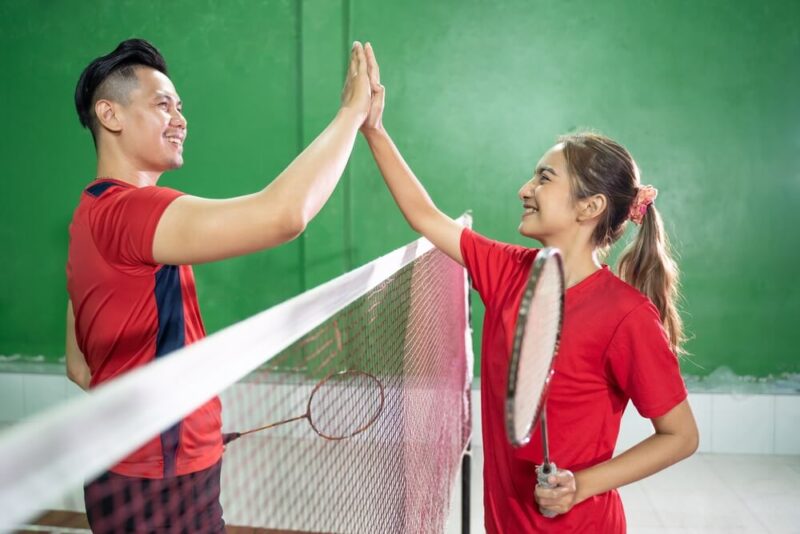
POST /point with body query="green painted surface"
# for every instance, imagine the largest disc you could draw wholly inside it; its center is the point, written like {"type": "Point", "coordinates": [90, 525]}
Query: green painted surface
{"type": "Point", "coordinates": [701, 93]}
{"type": "Point", "coordinates": [325, 53]}
{"type": "Point", "coordinates": [235, 68]}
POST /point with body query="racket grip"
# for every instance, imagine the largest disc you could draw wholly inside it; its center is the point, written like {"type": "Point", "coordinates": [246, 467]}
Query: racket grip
{"type": "Point", "coordinates": [231, 436]}
{"type": "Point", "coordinates": [542, 473]}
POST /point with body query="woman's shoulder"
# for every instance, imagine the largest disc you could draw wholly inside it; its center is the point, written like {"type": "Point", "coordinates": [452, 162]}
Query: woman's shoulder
{"type": "Point", "coordinates": [620, 297]}
{"type": "Point", "coordinates": [495, 247]}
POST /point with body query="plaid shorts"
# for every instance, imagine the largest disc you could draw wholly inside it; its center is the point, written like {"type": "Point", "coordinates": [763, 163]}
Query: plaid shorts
{"type": "Point", "coordinates": [183, 504]}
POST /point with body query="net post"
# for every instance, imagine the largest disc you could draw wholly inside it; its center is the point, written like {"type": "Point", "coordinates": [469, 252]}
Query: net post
{"type": "Point", "coordinates": [466, 461]}
{"type": "Point", "coordinates": [466, 480]}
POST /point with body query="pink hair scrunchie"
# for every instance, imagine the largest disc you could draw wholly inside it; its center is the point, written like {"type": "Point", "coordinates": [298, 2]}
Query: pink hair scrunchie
{"type": "Point", "coordinates": [644, 197]}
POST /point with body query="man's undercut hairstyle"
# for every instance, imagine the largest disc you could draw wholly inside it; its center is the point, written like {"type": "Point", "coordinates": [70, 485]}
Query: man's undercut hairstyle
{"type": "Point", "coordinates": [112, 77]}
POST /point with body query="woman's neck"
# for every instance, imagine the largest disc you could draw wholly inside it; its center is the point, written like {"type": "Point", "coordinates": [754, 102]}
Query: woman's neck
{"type": "Point", "coordinates": [580, 261]}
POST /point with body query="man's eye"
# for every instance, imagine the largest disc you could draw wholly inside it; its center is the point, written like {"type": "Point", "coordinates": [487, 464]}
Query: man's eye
{"type": "Point", "coordinates": [163, 105]}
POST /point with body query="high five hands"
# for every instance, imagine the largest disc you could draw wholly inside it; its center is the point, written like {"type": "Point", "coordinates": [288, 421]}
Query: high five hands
{"type": "Point", "coordinates": [356, 94]}
{"type": "Point", "coordinates": [375, 116]}
{"type": "Point", "coordinates": [363, 92]}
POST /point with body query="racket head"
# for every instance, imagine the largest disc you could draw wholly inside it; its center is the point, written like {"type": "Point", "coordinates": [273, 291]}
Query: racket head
{"type": "Point", "coordinates": [536, 339]}
{"type": "Point", "coordinates": [345, 403]}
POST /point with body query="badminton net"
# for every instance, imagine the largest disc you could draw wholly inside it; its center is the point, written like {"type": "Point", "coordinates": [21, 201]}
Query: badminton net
{"type": "Point", "coordinates": [401, 321]}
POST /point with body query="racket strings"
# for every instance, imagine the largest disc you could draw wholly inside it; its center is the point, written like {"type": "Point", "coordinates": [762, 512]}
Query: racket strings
{"type": "Point", "coordinates": [537, 348]}
{"type": "Point", "coordinates": [346, 404]}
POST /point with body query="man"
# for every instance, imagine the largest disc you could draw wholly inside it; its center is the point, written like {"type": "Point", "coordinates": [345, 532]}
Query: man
{"type": "Point", "coordinates": [131, 288]}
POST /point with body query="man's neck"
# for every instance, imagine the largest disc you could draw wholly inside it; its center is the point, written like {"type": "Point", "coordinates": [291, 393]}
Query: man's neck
{"type": "Point", "coordinates": [125, 171]}
{"type": "Point", "coordinates": [114, 162]}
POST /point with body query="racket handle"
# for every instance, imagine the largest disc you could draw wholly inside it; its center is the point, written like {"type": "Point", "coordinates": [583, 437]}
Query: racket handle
{"type": "Point", "coordinates": [231, 436]}
{"type": "Point", "coordinates": [542, 473]}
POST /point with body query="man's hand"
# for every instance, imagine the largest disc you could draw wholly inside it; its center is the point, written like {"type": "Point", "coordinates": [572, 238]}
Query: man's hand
{"type": "Point", "coordinates": [356, 93]}
{"type": "Point", "coordinates": [374, 119]}
{"type": "Point", "coordinates": [562, 497]}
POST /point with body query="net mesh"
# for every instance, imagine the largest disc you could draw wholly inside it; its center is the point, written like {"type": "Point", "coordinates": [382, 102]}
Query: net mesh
{"type": "Point", "coordinates": [394, 476]}
{"type": "Point", "coordinates": [406, 334]}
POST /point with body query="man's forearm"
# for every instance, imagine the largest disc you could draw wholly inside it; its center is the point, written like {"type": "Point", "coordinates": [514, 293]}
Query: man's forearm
{"type": "Point", "coordinates": [81, 377]}
{"type": "Point", "coordinates": [77, 369]}
{"type": "Point", "coordinates": [310, 179]}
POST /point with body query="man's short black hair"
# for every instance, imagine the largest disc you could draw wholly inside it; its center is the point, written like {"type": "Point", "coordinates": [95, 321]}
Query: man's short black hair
{"type": "Point", "coordinates": [112, 76]}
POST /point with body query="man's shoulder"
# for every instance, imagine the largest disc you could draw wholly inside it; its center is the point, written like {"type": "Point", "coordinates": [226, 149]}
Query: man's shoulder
{"type": "Point", "coordinates": [110, 195]}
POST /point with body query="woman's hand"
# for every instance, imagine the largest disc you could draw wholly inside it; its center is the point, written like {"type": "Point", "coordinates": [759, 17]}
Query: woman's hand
{"type": "Point", "coordinates": [374, 119]}
{"type": "Point", "coordinates": [561, 497]}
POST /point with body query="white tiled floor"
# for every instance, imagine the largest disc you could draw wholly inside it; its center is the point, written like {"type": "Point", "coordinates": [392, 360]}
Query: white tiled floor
{"type": "Point", "coordinates": [707, 493]}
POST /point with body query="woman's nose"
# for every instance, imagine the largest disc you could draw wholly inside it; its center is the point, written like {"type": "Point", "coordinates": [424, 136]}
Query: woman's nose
{"type": "Point", "coordinates": [526, 190]}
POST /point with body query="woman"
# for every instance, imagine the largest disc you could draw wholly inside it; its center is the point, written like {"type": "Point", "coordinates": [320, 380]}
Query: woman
{"type": "Point", "coordinates": [620, 336]}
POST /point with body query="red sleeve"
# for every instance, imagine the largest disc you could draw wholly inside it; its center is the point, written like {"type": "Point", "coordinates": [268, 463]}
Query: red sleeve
{"type": "Point", "coordinates": [491, 264]}
{"type": "Point", "coordinates": [124, 223]}
{"type": "Point", "coordinates": [643, 365]}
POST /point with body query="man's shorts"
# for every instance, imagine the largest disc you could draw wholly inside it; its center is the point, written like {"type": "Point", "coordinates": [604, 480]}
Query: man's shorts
{"type": "Point", "coordinates": [188, 503]}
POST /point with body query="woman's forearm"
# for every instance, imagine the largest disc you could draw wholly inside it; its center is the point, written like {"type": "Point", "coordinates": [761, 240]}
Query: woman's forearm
{"type": "Point", "coordinates": [411, 197]}
{"type": "Point", "coordinates": [646, 458]}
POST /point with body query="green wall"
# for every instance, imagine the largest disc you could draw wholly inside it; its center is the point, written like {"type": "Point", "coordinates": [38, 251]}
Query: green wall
{"type": "Point", "coordinates": [702, 93]}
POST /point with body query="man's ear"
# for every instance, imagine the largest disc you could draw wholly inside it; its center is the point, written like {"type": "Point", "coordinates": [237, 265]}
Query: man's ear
{"type": "Point", "coordinates": [592, 207]}
{"type": "Point", "coordinates": [106, 112]}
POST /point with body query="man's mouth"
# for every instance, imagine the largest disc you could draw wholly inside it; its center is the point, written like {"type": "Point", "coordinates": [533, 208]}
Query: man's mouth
{"type": "Point", "coordinates": [176, 140]}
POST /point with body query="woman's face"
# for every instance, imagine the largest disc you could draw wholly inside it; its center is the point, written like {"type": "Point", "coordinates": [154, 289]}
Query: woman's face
{"type": "Point", "coordinates": [548, 204]}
